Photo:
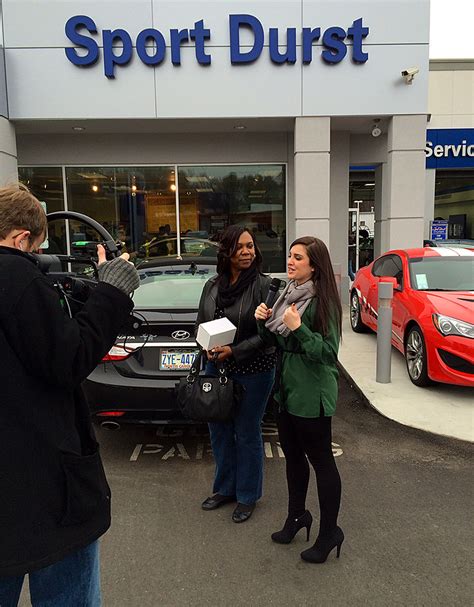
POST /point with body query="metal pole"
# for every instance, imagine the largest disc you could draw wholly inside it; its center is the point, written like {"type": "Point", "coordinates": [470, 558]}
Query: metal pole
{"type": "Point", "coordinates": [336, 268]}
{"type": "Point", "coordinates": [384, 333]}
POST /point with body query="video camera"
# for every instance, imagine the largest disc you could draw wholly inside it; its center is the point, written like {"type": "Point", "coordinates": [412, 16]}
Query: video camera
{"type": "Point", "coordinates": [75, 286]}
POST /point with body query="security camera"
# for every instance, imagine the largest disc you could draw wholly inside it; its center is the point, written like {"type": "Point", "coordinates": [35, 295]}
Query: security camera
{"type": "Point", "coordinates": [376, 130]}
{"type": "Point", "coordinates": [409, 74]}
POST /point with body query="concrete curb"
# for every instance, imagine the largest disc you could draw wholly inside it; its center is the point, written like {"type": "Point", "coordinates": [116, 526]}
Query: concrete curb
{"type": "Point", "coordinates": [366, 401]}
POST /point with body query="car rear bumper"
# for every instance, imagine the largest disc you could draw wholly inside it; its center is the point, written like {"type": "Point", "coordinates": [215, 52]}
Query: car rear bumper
{"type": "Point", "coordinates": [143, 401]}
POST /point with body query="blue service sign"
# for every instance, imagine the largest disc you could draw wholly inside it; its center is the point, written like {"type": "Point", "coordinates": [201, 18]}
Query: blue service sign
{"type": "Point", "coordinates": [449, 148]}
{"type": "Point", "coordinates": [118, 47]}
{"type": "Point", "coordinates": [439, 229]}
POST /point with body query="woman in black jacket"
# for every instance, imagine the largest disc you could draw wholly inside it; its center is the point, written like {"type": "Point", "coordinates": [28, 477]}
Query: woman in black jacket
{"type": "Point", "coordinates": [237, 446]}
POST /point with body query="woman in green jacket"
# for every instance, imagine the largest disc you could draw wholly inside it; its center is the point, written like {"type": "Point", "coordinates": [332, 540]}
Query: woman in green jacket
{"type": "Point", "coordinates": [305, 325]}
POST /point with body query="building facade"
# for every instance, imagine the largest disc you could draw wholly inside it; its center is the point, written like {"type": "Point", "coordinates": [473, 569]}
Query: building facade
{"type": "Point", "coordinates": [175, 118]}
{"type": "Point", "coordinates": [450, 147]}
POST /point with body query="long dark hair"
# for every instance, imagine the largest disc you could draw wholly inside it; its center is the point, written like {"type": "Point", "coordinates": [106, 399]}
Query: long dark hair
{"type": "Point", "coordinates": [329, 304]}
{"type": "Point", "coordinates": [228, 247]}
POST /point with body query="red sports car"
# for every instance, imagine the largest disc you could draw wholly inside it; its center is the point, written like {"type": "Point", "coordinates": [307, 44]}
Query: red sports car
{"type": "Point", "coordinates": [432, 311]}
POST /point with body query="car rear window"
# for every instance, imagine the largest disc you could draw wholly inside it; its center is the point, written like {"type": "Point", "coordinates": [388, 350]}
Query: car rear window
{"type": "Point", "coordinates": [442, 273]}
{"type": "Point", "coordinates": [165, 288]}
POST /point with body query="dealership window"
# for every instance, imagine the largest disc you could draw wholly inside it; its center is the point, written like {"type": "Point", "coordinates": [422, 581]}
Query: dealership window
{"type": "Point", "coordinates": [135, 204]}
{"type": "Point", "coordinates": [361, 219]}
{"type": "Point", "coordinates": [46, 183]}
{"type": "Point", "coordinates": [454, 201]}
{"type": "Point", "coordinates": [214, 197]}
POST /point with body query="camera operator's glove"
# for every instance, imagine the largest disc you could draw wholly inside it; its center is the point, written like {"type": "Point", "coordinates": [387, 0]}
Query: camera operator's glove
{"type": "Point", "coordinates": [119, 273]}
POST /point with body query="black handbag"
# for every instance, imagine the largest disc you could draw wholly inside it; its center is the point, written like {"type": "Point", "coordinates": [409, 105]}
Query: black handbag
{"type": "Point", "coordinates": [206, 398]}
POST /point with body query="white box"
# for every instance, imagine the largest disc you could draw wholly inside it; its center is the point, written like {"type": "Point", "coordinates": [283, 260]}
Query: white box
{"type": "Point", "coordinates": [220, 332]}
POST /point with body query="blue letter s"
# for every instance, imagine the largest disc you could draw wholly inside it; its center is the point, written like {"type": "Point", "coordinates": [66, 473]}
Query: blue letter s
{"type": "Point", "coordinates": [72, 25]}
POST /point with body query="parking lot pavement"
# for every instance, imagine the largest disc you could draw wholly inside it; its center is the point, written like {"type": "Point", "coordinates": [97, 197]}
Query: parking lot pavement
{"type": "Point", "coordinates": [407, 502]}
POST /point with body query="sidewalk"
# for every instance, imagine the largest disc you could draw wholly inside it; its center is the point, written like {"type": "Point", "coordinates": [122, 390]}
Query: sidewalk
{"type": "Point", "coordinates": [441, 409]}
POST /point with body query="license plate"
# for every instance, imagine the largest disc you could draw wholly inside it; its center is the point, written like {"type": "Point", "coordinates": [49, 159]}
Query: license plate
{"type": "Point", "coordinates": [177, 360]}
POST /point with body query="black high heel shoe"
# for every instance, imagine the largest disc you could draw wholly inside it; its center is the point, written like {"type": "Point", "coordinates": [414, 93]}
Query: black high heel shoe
{"type": "Point", "coordinates": [292, 526]}
{"type": "Point", "coordinates": [323, 546]}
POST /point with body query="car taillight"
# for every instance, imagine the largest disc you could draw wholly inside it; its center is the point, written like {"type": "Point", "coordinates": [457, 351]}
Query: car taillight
{"type": "Point", "coordinates": [111, 414]}
{"type": "Point", "coordinates": [118, 353]}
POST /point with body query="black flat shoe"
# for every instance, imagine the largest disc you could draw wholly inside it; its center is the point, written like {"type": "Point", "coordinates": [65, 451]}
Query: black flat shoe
{"type": "Point", "coordinates": [216, 501]}
{"type": "Point", "coordinates": [242, 512]}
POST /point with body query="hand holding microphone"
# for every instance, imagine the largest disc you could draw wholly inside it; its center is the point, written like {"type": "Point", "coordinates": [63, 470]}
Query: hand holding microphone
{"type": "Point", "coordinates": [264, 310]}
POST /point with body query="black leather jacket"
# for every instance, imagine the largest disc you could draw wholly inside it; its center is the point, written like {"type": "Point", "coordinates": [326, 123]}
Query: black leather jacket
{"type": "Point", "coordinates": [247, 343]}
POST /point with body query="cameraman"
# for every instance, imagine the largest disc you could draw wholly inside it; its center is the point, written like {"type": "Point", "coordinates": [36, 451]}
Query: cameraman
{"type": "Point", "coordinates": [55, 500]}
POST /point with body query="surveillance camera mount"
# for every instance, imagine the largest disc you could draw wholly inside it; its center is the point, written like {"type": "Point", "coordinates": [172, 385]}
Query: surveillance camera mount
{"type": "Point", "coordinates": [376, 130]}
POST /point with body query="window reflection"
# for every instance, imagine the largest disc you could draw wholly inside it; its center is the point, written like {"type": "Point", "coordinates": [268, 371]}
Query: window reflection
{"type": "Point", "coordinates": [135, 204]}
{"type": "Point", "coordinates": [46, 183]}
{"type": "Point", "coordinates": [214, 197]}
{"type": "Point", "coordinates": [454, 202]}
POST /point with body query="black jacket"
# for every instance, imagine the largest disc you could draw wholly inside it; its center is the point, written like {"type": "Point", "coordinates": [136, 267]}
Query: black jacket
{"type": "Point", "coordinates": [247, 343]}
{"type": "Point", "coordinates": [54, 497]}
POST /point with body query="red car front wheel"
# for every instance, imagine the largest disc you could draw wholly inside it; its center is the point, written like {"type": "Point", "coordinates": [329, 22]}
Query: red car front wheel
{"type": "Point", "coordinates": [416, 358]}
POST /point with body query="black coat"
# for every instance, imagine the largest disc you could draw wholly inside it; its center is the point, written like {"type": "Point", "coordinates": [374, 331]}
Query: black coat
{"type": "Point", "coordinates": [247, 343]}
{"type": "Point", "coordinates": [54, 497]}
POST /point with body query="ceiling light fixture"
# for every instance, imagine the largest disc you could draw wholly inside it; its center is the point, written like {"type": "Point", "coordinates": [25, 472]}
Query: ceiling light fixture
{"type": "Point", "coordinates": [240, 127]}
{"type": "Point", "coordinates": [78, 128]}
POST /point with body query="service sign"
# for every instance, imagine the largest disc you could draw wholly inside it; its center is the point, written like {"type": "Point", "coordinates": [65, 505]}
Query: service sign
{"type": "Point", "coordinates": [449, 148]}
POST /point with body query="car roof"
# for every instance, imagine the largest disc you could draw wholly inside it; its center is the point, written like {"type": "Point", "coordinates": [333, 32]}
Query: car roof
{"type": "Point", "coordinates": [199, 238]}
{"type": "Point", "coordinates": [431, 252]}
{"type": "Point", "coordinates": [153, 262]}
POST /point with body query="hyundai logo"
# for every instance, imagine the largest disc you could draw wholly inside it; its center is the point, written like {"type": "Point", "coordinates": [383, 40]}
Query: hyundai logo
{"type": "Point", "coordinates": [180, 335]}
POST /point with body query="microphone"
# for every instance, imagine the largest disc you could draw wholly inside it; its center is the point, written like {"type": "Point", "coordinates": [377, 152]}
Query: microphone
{"type": "Point", "coordinates": [272, 292]}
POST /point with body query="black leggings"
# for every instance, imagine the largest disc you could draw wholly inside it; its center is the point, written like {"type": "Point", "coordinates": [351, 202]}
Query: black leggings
{"type": "Point", "coordinates": [304, 439]}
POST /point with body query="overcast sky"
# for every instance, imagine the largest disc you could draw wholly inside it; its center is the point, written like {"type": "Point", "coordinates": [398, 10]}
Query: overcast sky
{"type": "Point", "coordinates": [451, 35]}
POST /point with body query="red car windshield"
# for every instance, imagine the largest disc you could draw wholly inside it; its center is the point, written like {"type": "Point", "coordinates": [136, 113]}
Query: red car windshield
{"type": "Point", "coordinates": [442, 273]}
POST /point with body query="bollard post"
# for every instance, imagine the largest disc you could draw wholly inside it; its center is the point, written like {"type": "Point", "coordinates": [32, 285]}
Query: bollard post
{"type": "Point", "coordinates": [384, 333]}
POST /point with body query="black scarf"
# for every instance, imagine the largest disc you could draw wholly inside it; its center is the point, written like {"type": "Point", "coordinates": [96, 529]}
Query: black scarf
{"type": "Point", "coordinates": [227, 294]}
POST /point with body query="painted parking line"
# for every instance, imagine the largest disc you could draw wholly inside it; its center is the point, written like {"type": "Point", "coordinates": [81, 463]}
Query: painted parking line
{"type": "Point", "coordinates": [166, 452]}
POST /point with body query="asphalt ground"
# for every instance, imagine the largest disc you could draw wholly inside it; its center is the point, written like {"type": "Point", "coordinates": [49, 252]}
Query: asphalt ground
{"type": "Point", "coordinates": [406, 513]}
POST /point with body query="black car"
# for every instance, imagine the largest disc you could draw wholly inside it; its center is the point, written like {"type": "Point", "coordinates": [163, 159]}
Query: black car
{"type": "Point", "coordinates": [136, 381]}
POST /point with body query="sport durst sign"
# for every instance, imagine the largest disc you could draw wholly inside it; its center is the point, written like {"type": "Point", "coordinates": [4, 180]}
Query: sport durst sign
{"type": "Point", "coordinates": [152, 46]}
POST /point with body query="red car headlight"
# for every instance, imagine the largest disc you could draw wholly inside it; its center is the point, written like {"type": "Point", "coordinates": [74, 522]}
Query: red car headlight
{"type": "Point", "coordinates": [452, 326]}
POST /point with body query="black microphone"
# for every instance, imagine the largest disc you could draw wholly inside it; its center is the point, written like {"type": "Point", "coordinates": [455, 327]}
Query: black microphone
{"type": "Point", "coordinates": [273, 292]}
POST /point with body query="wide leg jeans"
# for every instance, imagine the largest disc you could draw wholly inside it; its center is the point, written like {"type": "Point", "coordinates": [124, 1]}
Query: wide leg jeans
{"type": "Point", "coordinates": [237, 445]}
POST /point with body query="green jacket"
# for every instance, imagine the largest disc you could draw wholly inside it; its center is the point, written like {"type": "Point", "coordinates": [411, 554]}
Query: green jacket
{"type": "Point", "coordinates": [309, 372]}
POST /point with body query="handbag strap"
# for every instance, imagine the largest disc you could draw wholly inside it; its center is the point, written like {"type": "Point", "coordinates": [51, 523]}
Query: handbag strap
{"type": "Point", "coordinates": [196, 367]}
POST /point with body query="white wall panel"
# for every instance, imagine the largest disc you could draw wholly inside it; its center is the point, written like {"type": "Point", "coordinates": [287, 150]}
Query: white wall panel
{"type": "Point", "coordinates": [375, 87]}
{"type": "Point", "coordinates": [259, 89]}
{"type": "Point", "coordinates": [40, 23]}
{"type": "Point", "coordinates": [389, 21]}
{"type": "Point", "coordinates": [124, 148]}
{"type": "Point", "coordinates": [43, 84]}
{"type": "Point", "coordinates": [271, 13]}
